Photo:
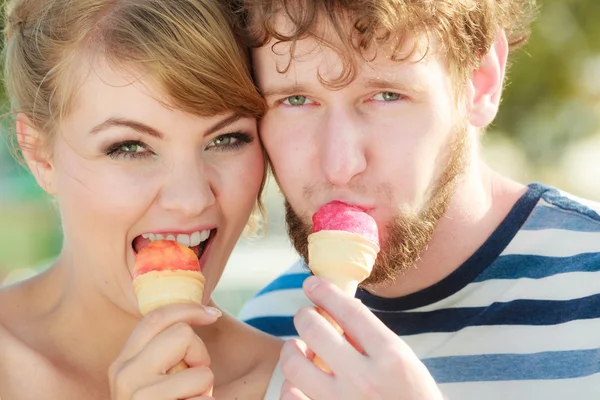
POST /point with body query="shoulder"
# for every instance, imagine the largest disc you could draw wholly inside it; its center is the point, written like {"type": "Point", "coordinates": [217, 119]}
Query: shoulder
{"type": "Point", "coordinates": [561, 210]}
{"type": "Point", "coordinates": [560, 235]}
{"type": "Point", "coordinates": [272, 308]}
{"type": "Point", "coordinates": [275, 382]}
{"type": "Point", "coordinates": [242, 345]}
{"type": "Point", "coordinates": [291, 278]}
{"type": "Point", "coordinates": [14, 315]}
{"type": "Point", "coordinates": [19, 313]}
{"type": "Point", "coordinates": [17, 302]}
{"type": "Point", "coordinates": [561, 221]}
{"type": "Point", "coordinates": [21, 364]}
{"type": "Point", "coordinates": [13, 352]}
{"type": "Point", "coordinates": [267, 363]}
{"type": "Point", "coordinates": [7, 342]}
{"type": "Point", "coordinates": [247, 358]}
{"type": "Point", "coordinates": [11, 299]}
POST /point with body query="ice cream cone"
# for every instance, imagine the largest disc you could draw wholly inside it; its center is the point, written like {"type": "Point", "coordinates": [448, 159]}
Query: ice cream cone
{"type": "Point", "coordinates": [155, 289]}
{"type": "Point", "coordinates": [344, 259]}
{"type": "Point", "coordinates": [167, 272]}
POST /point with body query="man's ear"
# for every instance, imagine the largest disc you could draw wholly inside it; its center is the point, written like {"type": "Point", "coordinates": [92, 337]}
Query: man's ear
{"type": "Point", "coordinates": [484, 89]}
{"type": "Point", "coordinates": [36, 154]}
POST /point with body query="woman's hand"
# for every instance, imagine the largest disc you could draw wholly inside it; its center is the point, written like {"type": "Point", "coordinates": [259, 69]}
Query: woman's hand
{"type": "Point", "coordinates": [386, 368]}
{"type": "Point", "coordinates": [161, 340]}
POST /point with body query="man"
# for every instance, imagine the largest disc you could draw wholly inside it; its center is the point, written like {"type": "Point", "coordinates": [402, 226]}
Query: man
{"type": "Point", "coordinates": [491, 288]}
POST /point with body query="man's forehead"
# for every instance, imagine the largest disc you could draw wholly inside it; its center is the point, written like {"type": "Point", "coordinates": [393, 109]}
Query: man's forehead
{"type": "Point", "coordinates": [320, 52]}
{"type": "Point", "coordinates": [312, 59]}
{"type": "Point", "coordinates": [410, 47]}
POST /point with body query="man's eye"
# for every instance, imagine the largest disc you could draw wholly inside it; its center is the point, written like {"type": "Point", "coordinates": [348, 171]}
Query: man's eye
{"type": "Point", "coordinates": [387, 96]}
{"type": "Point", "coordinates": [296, 100]}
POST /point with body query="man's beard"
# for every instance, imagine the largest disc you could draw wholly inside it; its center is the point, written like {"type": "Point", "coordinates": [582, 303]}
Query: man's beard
{"type": "Point", "coordinates": [410, 232]}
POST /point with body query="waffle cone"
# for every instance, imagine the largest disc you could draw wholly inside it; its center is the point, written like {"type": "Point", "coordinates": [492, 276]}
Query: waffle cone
{"type": "Point", "coordinates": [155, 289]}
{"type": "Point", "coordinates": [342, 258]}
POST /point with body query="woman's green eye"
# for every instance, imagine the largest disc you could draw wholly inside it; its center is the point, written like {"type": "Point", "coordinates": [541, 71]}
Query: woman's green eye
{"type": "Point", "coordinates": [131, 148]}
{"type": "Point", "coordinates": [297, 100]}
{"type": "Point", "coordinates": [223, 140]}
{"type": "Point", "coordinates": [229, 142]}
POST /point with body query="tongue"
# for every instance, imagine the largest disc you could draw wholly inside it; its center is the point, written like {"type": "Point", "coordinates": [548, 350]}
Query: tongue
{"type": "Point", "coordinates": [139, 243]}
{"type": "Point", "coordinates": [196, 250]}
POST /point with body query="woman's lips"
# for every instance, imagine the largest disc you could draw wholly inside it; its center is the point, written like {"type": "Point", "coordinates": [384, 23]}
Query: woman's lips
{"type": "Point", "coordinates": [140, 242]}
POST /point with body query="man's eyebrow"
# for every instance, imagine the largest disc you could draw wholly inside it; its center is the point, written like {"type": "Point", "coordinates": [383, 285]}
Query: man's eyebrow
{"type": "Point", "coordinates": [148, 130]}
{"type": "Point", "coordinates": [284, 90]}
{"type": "Point", "coordinates": [370, 83]}
{"type": "Point", "coordinates": [379, 83]}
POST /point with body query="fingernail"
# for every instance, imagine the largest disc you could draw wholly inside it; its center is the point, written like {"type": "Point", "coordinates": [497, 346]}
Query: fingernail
{"type": "Point", "coordinates": [213, 311]}
{"type": "Point", "coordinates": [311, 283]}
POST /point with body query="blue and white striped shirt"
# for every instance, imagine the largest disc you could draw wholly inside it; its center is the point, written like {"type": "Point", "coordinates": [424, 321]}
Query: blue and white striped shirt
{"type": "Point", "coordinates": [519, 320]}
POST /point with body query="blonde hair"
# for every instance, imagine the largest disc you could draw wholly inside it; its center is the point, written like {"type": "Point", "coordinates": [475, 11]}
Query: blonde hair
{"type": "Point", "coordinates": [464, 29]}
{"type": "Point", "coordinates": [191, 48]}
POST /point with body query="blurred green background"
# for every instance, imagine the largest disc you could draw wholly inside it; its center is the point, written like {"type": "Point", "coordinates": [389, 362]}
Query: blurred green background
{"type": "Point", "coordinates": [547, 130]}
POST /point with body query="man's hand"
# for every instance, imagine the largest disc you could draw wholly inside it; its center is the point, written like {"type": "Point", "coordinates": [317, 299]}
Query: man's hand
{"type": "Point", "coordinates": [162, 339]}
{"type": "Point", "coordinates": [386, 368]}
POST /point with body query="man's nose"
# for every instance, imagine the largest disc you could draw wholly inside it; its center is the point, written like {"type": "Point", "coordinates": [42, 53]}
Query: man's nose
{"type": "Point", "coordinates": [342, 150]}
{"type": "Point", "coordinates": [187, 189]}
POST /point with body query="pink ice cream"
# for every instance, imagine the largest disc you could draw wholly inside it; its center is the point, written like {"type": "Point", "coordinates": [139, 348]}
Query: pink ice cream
{"type": "Point", "coordinates": [338, 216]}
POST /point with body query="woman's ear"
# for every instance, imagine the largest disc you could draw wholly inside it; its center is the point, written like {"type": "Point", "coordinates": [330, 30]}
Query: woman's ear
{"type": "Point", "coordinates": [35, 152]}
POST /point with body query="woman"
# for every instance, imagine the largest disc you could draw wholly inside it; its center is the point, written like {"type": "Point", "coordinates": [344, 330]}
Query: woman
{"type": "Point", "coordinates": [139, 119]}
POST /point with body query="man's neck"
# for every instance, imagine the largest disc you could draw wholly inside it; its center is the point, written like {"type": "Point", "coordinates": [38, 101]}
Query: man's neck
{"type": "Point", "coordinates": [482, 201]}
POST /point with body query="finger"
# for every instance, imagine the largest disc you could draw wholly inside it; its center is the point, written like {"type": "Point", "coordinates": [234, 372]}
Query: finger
{"type": "Point", "coordinates": [304, 349]}
{"type": "Point", "coordinates": [177, 342]}
{"type": "Point", "coordinates": [288, 392]}
{"type": "Point", "coordinates": [194, 382]}
{"type": "Point", "coordinates": [358, 322]}
{"type": "Point", "coordinates": [163, 317]}
{"type": "Point", "coordinates": [325, 341]}
{"type": "Point", "coordinates": [302, 374]}
{"type": "Point", "coordinates": [339, 329]}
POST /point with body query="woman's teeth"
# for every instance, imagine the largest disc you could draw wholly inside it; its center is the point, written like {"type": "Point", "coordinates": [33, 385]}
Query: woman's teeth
{"type": "Point", "coordinates": [187, 240]}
